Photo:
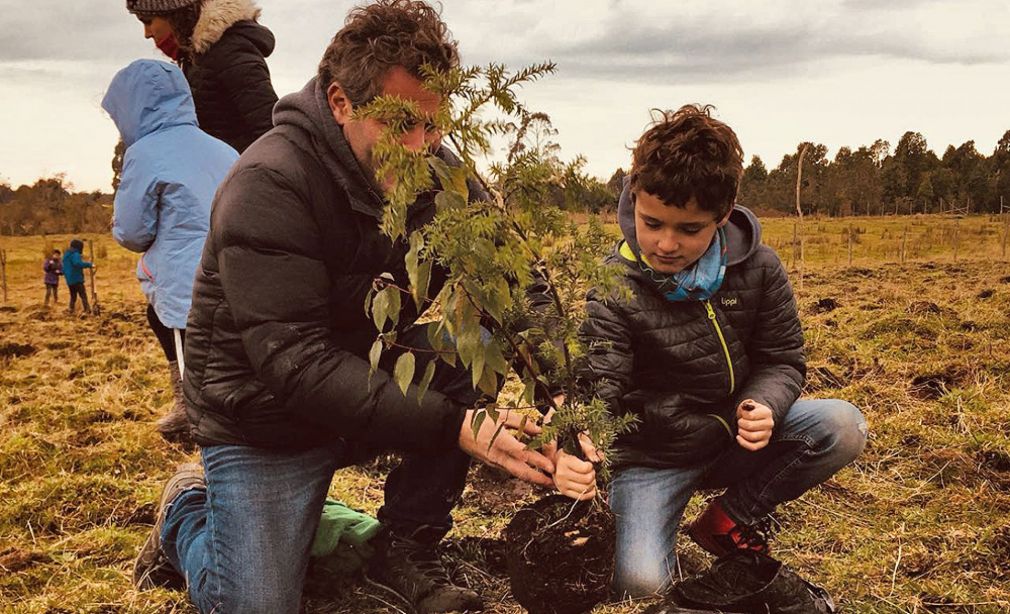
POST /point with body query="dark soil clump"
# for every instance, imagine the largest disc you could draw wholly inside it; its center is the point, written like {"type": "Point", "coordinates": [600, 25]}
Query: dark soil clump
{"type": "Point", "coordinates": [995, 460]}
{"type": "Point", "coordinates": [16, 350]}
{"type": "Point", "coordinates": [825, 305]}
{"type": "Point", "coordinates": [932, 386]}
{"type": "Point", "coordinates": [560, 555]}
{"type": "Point", "coordinates": [924, 307]}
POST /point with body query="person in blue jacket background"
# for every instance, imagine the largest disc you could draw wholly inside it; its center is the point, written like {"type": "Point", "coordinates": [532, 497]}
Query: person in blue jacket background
{"type": "Point", "coordinates": [73, 273]}
{"type": "Point", "coordinates": [162, 208]}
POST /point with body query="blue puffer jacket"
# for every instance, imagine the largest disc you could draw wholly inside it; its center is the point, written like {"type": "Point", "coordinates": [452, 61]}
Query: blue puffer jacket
{"type": "Point", "coordinates": [73, 266]}
{"type": "Point", "coordinates": [170, 173]}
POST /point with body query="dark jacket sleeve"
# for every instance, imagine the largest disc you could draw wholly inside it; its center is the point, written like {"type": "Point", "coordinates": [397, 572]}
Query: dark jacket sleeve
{"type": "Point", "coordinates": [776, 346]}
{"type": "Point", "coordinates": [246, 79]}
{"type": "Point", "coordinates": [609, 357]}
{"type": "Point", "coordinates": [278, 287]}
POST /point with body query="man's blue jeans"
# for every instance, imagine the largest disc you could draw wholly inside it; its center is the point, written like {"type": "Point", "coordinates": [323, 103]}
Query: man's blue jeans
{"type": "Point", "coordinates": [818, 438]}
{"type": "Point", "coordinates": [243, 543]}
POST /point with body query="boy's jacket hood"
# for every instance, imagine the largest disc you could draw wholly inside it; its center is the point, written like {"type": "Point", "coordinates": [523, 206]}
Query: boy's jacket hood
{"type": "Point", "coordinates": [743, 232]}
{"type": "Point", "coordinates": [148, 96]}
{"type": "Point", "coordinates": [217, 16]}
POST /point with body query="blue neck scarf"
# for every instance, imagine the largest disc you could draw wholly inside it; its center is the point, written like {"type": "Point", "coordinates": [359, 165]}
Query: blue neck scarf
{"type": "Point", "coordinates": [698, 282]}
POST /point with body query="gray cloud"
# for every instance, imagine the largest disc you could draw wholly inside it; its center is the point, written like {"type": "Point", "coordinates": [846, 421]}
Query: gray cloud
{"type": "Point", "coordinates": [649, 45]}
{"type": "Point", "coordinates": [613, 39]}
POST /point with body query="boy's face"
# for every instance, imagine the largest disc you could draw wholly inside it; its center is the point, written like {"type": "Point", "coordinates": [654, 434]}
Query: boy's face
{"type": "Point", "coordinates": [673, 238]}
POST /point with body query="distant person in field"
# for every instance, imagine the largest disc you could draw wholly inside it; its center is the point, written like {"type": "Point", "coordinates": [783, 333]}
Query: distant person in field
{"type": "Point", "coordinates": [170, 173]}
{"type": "Point", "coordinates": [53, 268]}
{"type": "Point", "coordinates": [73, 272]}
{"type": "Point", "coordinates": [277, 371]}
{"type": "Point", "coordinates": [708, 353]}
{"type": "Point", "coordinates": [222, 50]}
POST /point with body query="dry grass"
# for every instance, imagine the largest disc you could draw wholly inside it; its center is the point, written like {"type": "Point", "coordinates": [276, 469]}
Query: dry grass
{"type": "Point", "coordinates": [921, 523]}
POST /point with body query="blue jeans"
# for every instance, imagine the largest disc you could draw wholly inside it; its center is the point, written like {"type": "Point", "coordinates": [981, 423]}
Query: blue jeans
{"type": "Point", "coordinates": [817, 438]}
{"type": "Point", "coordinates": [243, 542]}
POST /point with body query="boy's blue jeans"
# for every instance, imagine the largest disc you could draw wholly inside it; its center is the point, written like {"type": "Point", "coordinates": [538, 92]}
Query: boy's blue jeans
{"type": "Point", "coordinates": [818, 438]}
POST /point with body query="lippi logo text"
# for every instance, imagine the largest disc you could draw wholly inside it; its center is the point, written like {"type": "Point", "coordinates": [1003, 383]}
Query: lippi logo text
{"type": "Point", "coordinates": [729, 302]}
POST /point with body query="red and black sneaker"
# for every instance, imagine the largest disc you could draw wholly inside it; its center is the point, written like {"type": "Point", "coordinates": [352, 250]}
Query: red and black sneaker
{"type": "Point", "coordinates": [720, 535]}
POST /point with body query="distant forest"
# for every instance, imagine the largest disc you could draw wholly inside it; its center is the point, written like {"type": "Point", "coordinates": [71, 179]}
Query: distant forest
{"type": "Point", "coordinates": [872, 180]}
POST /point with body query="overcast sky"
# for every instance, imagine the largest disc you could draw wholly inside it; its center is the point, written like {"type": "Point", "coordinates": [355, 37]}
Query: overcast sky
{"type": "Point", "coordinates": [837, 72]}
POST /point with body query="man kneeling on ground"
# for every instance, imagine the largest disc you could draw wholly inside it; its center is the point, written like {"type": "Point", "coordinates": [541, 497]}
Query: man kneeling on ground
{"type": "Point", "coordinates": [277, 376]}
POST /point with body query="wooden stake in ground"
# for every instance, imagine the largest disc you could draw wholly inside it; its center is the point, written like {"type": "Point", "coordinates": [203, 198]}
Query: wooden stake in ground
{"type": "Point", "coordinates": [95, 307]}
{"type": "Point", "coordinates": [850, 244]}
{"type": "Point", "coordinates": [957, 236]}
{"type": "Point", "coordinates": [3, 270]}
{"type": "Point", "coordinates": [904, 239]}
{"type": "Point", "coordinates": [1006, 228]}
{"type": "Point", "coordinates": [799, 209]}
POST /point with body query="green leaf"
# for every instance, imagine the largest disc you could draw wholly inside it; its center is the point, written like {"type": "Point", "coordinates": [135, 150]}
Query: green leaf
{"type": "Point", "coordinates": [403, 372]}
{"type": "Point", "coordinates": [410, 260]}
{"type": "Point", "coordinates": [495, 359]}
{"type": "Point", "coordinates": [497, 432]}
{"type": "Point", "coordinates": [373, 357]}
{"type": "Point", "coordinates": [529, 391]}
{"type": "Point", "coordinates": [488, 382]}
{"type": "Point", "coordinates": [419, 286]}
{"type": "Point", "coordinates": [449, 200]}
{"type": "Point", "coordinates": [368, 302]}
{"type": "Point", "coordinates": [477, 366]}
{"type": "Point", "coordinates": [380, 308]}
{"type": "Point", "coordinates": [478, 419]}
{"type": "Point", "coordinates": [422, 387]}
{"type": "Point", "coordinates": [394, 305]}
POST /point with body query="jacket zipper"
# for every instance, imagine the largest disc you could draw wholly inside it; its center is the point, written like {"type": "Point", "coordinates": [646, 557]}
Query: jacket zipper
{"type": "Point", "coordinates": [722, 340]}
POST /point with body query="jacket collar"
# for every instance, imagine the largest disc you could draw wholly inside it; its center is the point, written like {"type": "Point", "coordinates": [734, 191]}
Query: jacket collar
{"type": "Point", "coordinates": [216, 16]}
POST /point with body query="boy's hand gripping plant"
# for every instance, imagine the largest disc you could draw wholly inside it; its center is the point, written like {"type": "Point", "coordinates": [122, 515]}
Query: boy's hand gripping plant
{"type": "Point", "coordinates": [515, 271]}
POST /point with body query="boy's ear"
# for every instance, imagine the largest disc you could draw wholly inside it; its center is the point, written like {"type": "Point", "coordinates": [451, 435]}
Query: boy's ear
{"type": "Point", "coordinates": [725, 218]}
{"type": "Point", "coordinates": [340, 105]}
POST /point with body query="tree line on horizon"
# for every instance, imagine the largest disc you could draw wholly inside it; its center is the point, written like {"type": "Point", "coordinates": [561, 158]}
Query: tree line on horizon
{"type": "Point", "coordinates": [870, 180]}
{"type": "Point", "coordinates": [874, 180]}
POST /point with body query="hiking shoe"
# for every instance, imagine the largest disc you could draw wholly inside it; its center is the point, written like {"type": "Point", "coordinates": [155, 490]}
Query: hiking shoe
{"type": "Point", "coordinates": [745, 581]}
{"type": "Point", "coordinates": [174, 426]}
{"type": "Point", "coordinates": [152, 568]}
{"type": "Point", "coordinates": [410, 569]}
{"type": "Point", "coordinates": [720, 535]}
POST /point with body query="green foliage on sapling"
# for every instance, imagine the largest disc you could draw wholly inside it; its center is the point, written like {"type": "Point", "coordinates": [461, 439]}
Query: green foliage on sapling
{"type": "Point", "coordinates": [495, 238]}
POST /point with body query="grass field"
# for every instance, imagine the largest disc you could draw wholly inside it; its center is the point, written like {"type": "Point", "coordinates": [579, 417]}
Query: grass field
{"type": "Point", "coordinates": [920, 523]}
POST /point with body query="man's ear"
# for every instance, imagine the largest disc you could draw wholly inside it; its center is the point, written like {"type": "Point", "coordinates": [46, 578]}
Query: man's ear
{"type": "Point", "coordinates": [340, 104]}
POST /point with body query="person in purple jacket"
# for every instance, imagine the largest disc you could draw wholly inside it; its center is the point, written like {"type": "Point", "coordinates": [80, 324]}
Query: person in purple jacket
{"type": "Point", "coordinates": [53, 269]}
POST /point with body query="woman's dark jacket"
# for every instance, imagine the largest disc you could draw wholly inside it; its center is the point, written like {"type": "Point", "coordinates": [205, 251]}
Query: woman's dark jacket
{"type": "Point", "coordinates": [665, 361]}
{"type": "Point", "coordinates": [228, 72]}
{"type": "Point", "coordinates": [277, 339]}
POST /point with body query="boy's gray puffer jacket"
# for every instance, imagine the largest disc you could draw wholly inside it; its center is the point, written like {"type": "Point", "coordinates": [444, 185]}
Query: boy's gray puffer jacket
{"type": "Point", "coordinates": [683, 367]}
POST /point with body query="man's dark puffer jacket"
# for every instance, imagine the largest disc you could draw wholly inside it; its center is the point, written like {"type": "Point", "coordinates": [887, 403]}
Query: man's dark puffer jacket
{"type": "Point", "coordinates": [665, 362]}
{"type": "Point", "coordinates": [228, 72]}
{"type": "Point", "coordinates": [277, 338]}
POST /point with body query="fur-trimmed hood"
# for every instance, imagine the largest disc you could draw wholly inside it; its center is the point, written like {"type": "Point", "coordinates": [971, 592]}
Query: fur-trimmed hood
{"type": "Point", "coordinates": [216, 16]}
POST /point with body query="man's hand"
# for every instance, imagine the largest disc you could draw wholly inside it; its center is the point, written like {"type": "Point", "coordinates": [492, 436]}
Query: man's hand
{"type": "Point", "coordinates": [573, 477]}
{"type": "Point", "coordinates": [754, 425]}
{"type": "Point", "coordinates": [506, 452]}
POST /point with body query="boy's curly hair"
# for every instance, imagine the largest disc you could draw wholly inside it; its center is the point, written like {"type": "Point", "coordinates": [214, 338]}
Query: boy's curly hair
{"type": "Point", "coordinates": [688, 154]}
{"type": "Point", "coordinates": [378, 36]}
